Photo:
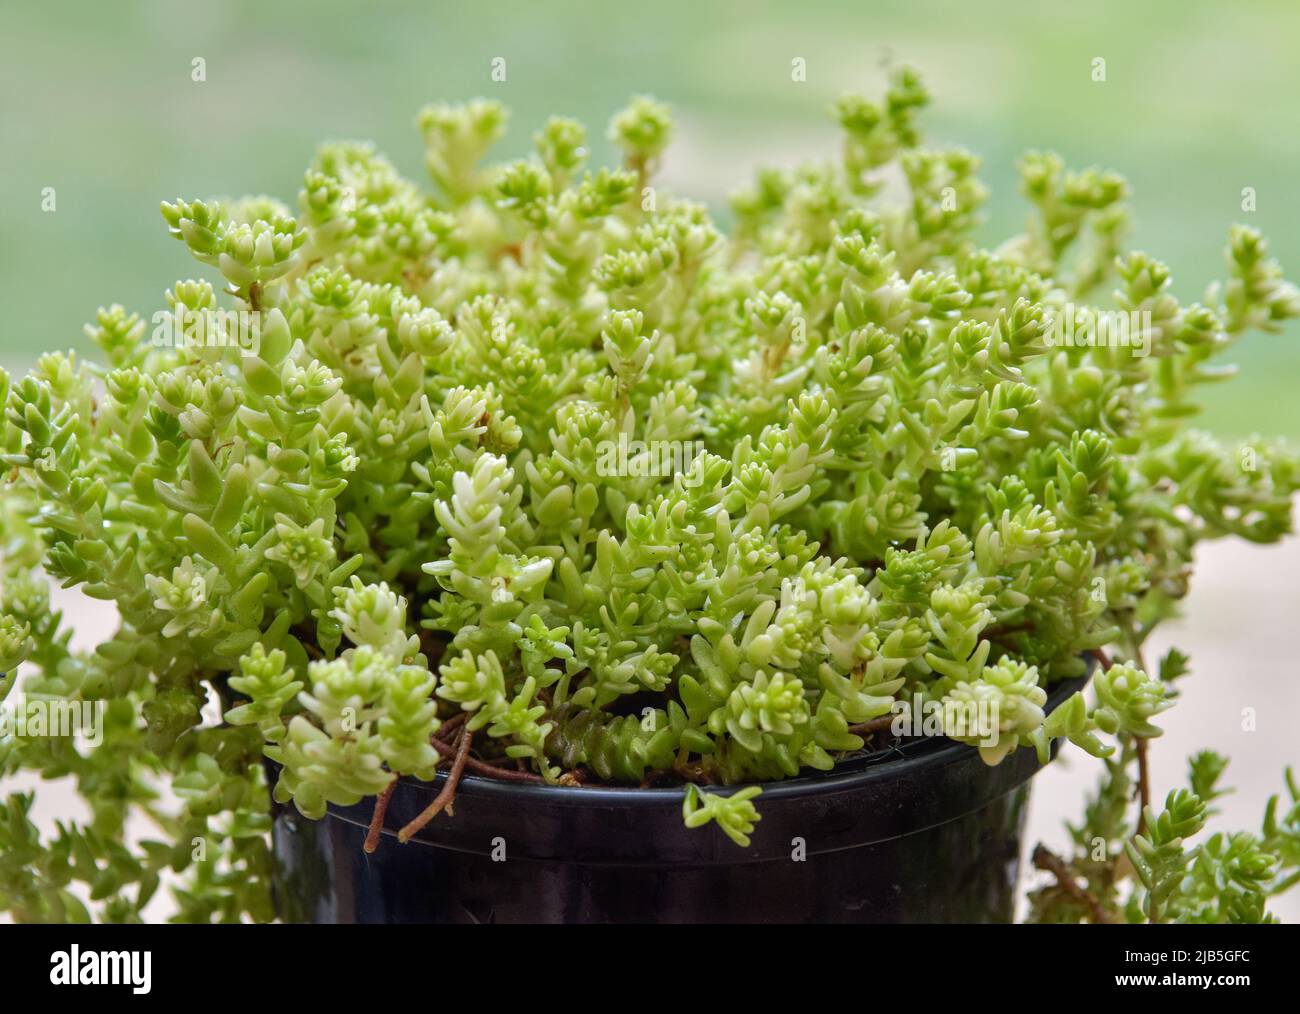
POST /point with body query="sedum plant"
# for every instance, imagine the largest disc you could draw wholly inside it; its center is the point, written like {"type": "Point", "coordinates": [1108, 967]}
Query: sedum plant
{"type": "Point", "coordinates": [541, 471]}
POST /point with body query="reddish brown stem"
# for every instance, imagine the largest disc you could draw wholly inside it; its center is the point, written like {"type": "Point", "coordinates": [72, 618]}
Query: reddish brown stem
{"type": "Point", "coordinates": [489, 770]}
{"type": "Point", "coordinates": [1045, 859]}
{"type": "Point", "coordinates": [451, 725]}
{"type": "Point", "coordinates": [444, 798]}
{"type": "Point", "coordinates": [377, 821]}
{"type": "Point", "coordinates": [875, 725]}
{"type": "Point", "coordinates": [1144, 784]}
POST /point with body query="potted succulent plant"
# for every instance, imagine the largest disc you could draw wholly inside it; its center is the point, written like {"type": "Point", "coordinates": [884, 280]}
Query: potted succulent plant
{"type": "Point", "coordinates": [522, 528]}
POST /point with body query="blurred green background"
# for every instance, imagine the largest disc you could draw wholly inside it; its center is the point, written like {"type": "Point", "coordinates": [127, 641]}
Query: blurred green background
{"type": "Point", "coordinates": [97, 101]}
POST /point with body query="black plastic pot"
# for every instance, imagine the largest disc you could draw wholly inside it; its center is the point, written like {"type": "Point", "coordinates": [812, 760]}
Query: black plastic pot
{"type": "Point", "coordinates": [925, 832]}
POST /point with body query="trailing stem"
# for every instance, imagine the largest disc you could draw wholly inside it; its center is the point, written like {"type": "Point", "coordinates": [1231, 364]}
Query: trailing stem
{"type": "Point", "coordinates": [377, 821]}
{"type": "Point", "coordinates": [446, 797]}
{"type": "Point", "coordinates": [1050, 862]}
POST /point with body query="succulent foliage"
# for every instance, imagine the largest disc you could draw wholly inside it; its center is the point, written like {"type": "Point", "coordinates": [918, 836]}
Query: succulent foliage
{"type": "Point", "coordinates": [544, 447]}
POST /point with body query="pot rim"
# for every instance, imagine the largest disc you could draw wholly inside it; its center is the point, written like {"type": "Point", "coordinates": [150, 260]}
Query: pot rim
{"type": "Point", "coordinates": [870, 798]}
{"type": "Point", "coordinates": [917, 753]}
